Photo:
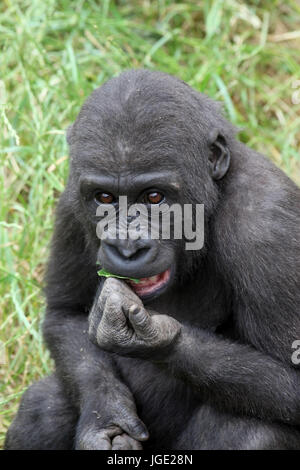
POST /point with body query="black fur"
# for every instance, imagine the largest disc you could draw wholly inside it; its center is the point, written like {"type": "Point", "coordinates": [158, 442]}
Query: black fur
{"type": "Point", "coordinates": [228, 382]}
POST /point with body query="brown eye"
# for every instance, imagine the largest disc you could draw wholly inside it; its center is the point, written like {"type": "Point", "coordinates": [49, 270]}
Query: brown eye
{"type": "Point", "coordinates": [104, 198]}
{"type": "Point", "coordinates": [154, 197]}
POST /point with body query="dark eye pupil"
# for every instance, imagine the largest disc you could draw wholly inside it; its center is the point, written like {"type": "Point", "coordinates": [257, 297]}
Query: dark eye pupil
{"type": "Point", "coordinates": [155, 197]}
{"type": "Point", "coordinates": [104, 198]}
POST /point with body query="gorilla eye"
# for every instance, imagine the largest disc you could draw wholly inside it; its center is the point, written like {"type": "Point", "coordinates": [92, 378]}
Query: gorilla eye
{"type": "Point", "coordinates": [154, 197]}
{"type": "Point", "coordinates": [103, 198]}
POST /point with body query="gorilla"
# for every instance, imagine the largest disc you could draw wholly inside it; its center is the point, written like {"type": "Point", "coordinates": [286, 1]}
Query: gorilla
{"type": "Point", "coordinates": [196, 354]}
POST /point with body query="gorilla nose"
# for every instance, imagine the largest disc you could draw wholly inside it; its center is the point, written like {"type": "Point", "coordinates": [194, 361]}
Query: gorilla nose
{"type": "Point", "coordinates": [128, 250]}
{"type": "Point", "coordinates": [124, 255]}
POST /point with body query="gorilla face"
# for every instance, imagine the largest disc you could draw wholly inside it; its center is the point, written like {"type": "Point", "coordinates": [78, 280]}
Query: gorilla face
{"type": "Point", "coordinates": [152, 143]}
{"type": "Point", "coordinates": [152, 261]}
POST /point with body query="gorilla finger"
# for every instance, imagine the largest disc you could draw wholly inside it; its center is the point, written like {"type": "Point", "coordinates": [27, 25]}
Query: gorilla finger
{"type": "Point", "coordinates": [98, 440]}
{"type": "Point", "coordinates": [125, 442]}
{"type": "Point", "coordinates": [120, 292]}
{"type": "Point", "coordinates": [140, 320]}
{"type": "Point", "coordinates": [135, 428]}
{"type": "Point", "coordinates": [96, 444]}
{"type": "Point", "coordinates": [113, 312]}
{"type": "Point", "coordinates": [110, 287]}
{"type": "Point", "coordinates": [102, 299]}
{"type": "Point", "coordinates": [93, 323]}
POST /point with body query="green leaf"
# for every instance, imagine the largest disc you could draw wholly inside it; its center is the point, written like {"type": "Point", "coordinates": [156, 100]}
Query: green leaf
{"type": "Point", "coordinates": [105, 273]}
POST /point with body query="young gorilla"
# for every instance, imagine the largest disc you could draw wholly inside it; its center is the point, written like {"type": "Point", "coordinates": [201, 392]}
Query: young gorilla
{"type": "Point", "coordinates": [199, 356]}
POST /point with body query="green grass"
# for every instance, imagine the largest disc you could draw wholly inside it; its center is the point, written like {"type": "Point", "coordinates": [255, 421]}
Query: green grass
{"type": "Point", "coordinates": [54, 53]}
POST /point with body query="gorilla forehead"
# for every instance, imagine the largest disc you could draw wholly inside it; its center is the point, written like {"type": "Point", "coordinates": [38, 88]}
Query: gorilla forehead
{"type": "Point", "coordinates": [143, 118]}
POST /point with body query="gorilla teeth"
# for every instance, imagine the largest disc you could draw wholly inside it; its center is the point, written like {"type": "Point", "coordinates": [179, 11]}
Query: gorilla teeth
{"type": "Point", "coordinates": [149, 280]}
{"type": "Point", "coordinates": [148, 285]}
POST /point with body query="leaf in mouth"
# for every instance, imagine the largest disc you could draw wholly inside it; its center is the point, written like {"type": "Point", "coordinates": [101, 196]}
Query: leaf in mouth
{"type": "Point", "coordinates": [105, 273]}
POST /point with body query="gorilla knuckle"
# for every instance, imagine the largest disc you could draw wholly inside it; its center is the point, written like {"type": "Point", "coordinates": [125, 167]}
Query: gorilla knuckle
{"type": "Point", "coordinates": [103, 339]}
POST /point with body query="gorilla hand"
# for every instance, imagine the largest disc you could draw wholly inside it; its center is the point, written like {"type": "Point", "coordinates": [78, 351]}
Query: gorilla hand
{"type": "Point", "coordinates": [112, 422]}
{"type": "Point", "coordinates": [119, 323]}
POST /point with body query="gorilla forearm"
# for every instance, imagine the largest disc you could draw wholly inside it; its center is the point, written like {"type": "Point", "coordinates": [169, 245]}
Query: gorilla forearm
{"type": "Point", "coordinates": [82, 367]}
{"type": "Point", "coordinates": [106, 405]}
{"type": "Point", "coordinates": [237, 377]}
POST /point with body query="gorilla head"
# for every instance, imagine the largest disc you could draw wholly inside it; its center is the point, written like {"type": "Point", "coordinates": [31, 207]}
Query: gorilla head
{"type": "Point", "coordinates": [151, 138]}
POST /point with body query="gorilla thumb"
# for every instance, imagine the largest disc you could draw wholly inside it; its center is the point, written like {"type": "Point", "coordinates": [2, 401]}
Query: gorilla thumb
{"type": "Point", "coordinates": [135, 428]}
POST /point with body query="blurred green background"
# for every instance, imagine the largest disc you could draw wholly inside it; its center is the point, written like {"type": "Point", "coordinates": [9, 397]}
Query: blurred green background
{"type": "Point", "coordinates": [54, 53]}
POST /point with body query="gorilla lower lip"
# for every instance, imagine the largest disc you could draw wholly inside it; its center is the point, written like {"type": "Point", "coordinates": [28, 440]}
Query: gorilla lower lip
{"type": "Point", "coordinates": [148, 285]}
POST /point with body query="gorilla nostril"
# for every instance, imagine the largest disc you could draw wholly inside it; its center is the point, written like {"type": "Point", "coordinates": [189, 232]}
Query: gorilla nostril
{"type": "Point", "coordinates": [139, 253]}
{"type": "Point", "coordinates": [132, 253]}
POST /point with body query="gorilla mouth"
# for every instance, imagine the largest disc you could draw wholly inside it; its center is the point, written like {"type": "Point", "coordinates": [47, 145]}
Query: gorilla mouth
{"type": "Point", "coordinates": [150, 285]}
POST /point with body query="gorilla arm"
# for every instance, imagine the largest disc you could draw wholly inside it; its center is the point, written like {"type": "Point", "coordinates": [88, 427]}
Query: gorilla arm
{"type": "Point", "coordinates": [107, 413]}
{"type": "Point", "coordinates": [236, 377]}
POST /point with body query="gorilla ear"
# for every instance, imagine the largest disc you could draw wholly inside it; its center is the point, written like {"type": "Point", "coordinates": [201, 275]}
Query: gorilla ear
{"type": "Point", "coordinates": [219, 159]}
{"type": "Point", "coordinates": [69, 134]}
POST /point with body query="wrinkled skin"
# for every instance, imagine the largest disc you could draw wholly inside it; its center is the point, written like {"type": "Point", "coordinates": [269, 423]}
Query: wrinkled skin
{"type": "Point", "coordinates": [204, 361]}
{"type": "Point", "coordinates": [126, 327]}
{"type": "Point", "coordinates": [109, 439]}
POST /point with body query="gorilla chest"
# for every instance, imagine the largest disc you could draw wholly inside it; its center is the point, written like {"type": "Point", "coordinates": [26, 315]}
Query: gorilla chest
{"type": "Point", "coordinates": [204, 304]}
